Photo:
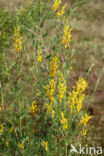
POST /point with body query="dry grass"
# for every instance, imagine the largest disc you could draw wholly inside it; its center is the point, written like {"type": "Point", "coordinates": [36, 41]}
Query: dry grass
{"type": "Point", "coordinates": [11, 4]}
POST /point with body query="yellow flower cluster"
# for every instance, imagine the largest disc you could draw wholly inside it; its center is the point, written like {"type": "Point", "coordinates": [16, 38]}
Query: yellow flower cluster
{"type": "Point", "coordinates": [55, 7]}
{"type": "Point", "coordinates": [63, 121]}
{"type": "Point", "coordinates": [53, 113]}
{"type": "Point", "coordinates": [81, 85]}
{"type": "Point", "coordinates": [72, 101]}
{"type": "Point", "coordinates": [2, 128]}
{"type": "Point", "coordinates": [39, 57]}
{"type": "Point", "coordinates": [6, 144]}
{"type": "Point", "coordinates": [17, 39]}
{"type": "Point", "coordinates": [53, 66]}
{"type": "Point", "coordinates": [10, 130]}
{"type": "Point", "coordinates": [0, 108]}
{"type": "Point", "coordinates": [61, 12]}
{"type": "Point", "coordinates": [84, 132]}
{"type": "Point", "coordinates": [84, 120]}
{"type": "Point", "coordinates": [49, 109]}
{"type": "Point", "coordinates": [45, 145]}
{"type": "Point", "coordinates": [21, 145]}
{"type": "Point", "coordinates": [56, 4]}
{"type": "Point", "coordinates": [76, 97]}
{"type": "Point", "coordinates": [50, 89]}
{"type": "Point", "coordinates": [33, 107]}
{"type": "Point", "coordinates": [61, 87]}
{"type": "Point", "coordinates": [67, 36]}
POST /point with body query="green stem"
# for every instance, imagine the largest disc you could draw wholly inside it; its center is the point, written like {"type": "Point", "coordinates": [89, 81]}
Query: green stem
{"type": "Point", "coordinates": [66, 148]}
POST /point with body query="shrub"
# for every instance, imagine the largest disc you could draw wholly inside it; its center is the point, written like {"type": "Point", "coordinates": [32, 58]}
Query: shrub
{"type": "Point", "coordinates": [39, 114]}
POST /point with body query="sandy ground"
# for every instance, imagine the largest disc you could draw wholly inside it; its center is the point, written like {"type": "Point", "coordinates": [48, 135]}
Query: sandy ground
{"type": "Point", "coordinates": [12, 4]}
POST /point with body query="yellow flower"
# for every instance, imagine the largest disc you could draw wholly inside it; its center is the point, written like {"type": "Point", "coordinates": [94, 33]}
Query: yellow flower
{"type": "Point", "coordinates": [72, 101]}
{"type": "Point", "coordinates": [76, 97]}
{"type": "Point", "coordinates": [45, 145]}
{"type": "Point", "coordinates": [84, 132]}
{"type": "Point", "coordinates": [53, 113]}
{"type": "Point", "coordinates": [81, 85]}
{"type": "Point", "coordinates": [6, 144]}
{"type": "Point", "coordinates": [38, 93]}
{"type": "Point", "coordinates": [39, 57]}
{"type": "Point", "coordinates": [2, 128]}
{"type": "Point", "coordinates": [67, 36]}
{"type": "Point", "coordinates": [21, 145]}
{"type": "Point", "coordinates": [10, 130]}
{"type": "Point", "coordinates": [61, 87]}
{"type": "Point", "coordinates": [49, 107]}
{"type": "Point", "coordinates": [63, 121]}
{"type": "Point", "coordinates": [61, 12]}
{"type": "Point", "coordinates": [85, 119]}
{"type": "Point", "coordinates": [33, 107]}
{"type": "Point", "coordinates": [0, 108]}
{"type": "Point", "coordinates": [79, 102]}
{"type": "Point", "coordinates": [17, 39]}
{"type": "Point", "coordinates": [53, 66]}
{"type": "Point", "coordinates": [56, 4]}
{"type": "Point", "coordinates": [50, 89]}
